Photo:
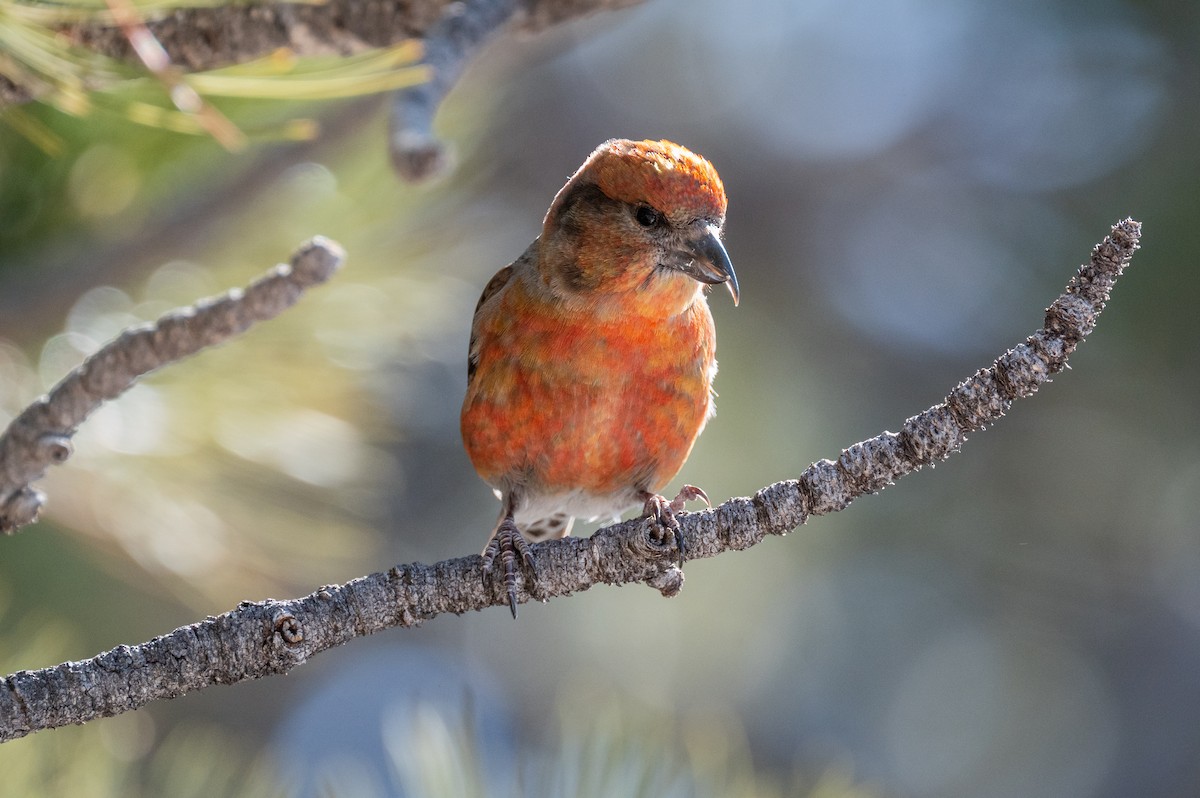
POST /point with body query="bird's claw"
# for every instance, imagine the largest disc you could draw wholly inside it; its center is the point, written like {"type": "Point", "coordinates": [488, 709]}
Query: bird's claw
{"type": "Point", "coordinates": [663, 512]}
{"type": "Point", "coordinates": [508, 545]}
{"type": "Point", "coordinates": [689, 493]}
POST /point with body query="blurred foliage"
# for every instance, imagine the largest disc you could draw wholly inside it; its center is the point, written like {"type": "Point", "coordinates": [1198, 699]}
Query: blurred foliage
{"type": "Point", "coordinates": [77, 80]}
{"type": "Point", "coordinates": [127, 756]}
{"type": "Point", "coordinates": [107, 759]}
{"type": "Point", "coordinates": [608, 746]}
{"type": "Point", "coordinates": [297, 453]}
{"type": "Point", "coordinates": [618, 749]}
{"type": "Point", "coordinates": [910, 183]}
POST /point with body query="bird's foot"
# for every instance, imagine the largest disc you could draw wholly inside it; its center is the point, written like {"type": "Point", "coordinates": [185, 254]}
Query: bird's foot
{"type": "Point", "coordinates": [508, 545]}
{"type": "Point", "coordinates": [663, 512]}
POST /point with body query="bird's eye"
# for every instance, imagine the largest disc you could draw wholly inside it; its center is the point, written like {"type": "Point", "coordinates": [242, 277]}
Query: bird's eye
{"type": "Point", "coordinates": [647, 216]}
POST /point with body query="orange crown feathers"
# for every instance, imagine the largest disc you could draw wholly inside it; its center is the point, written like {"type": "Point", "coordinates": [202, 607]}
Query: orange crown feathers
{"type": "Point", "coordinates": [664, 175]}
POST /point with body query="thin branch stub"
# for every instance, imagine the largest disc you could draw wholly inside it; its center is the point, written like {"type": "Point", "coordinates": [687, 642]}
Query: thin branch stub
{"type": "Point", "coordinates": [41, 435]}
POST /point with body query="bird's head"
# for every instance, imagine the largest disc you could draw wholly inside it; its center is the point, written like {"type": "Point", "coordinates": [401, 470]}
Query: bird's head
{"type": "Point", "coordinates": [639, 223]}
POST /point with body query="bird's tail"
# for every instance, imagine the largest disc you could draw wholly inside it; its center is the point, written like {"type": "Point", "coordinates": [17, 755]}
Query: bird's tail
{"type": "Point", "coordinates": [554, 526]}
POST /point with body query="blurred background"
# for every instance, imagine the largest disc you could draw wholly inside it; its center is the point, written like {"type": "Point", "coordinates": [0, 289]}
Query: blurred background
{"type": "Point", "coordinates": [910, 184]}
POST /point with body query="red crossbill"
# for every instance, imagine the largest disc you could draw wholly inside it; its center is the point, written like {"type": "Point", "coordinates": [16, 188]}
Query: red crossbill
{"type": "Point", "coordinates": [592, 355]}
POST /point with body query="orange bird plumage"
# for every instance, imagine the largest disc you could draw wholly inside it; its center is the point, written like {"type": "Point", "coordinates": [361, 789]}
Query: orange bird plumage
{"type": "Point", "coordinates": [592, 355]}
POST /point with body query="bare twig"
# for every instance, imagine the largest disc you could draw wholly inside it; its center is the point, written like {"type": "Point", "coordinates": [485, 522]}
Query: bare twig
{"type": "Point", "coordinates": [258, 639]}
{"type": "Point", "coordinates": [41, 435]}
{"type": "Point", "coordinates": [458, 35]}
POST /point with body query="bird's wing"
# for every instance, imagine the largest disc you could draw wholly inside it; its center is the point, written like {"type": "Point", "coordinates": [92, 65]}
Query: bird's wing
{"type": "Point", "coordinates": [491, 289]}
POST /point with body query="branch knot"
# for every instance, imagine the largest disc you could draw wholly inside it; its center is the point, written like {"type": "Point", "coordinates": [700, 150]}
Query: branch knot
{"type": "Point", "coordinates": [288, 628]}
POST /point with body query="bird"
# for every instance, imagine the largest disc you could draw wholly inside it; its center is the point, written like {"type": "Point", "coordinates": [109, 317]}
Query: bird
{"type": "Point", "coordinates": [592, 355]}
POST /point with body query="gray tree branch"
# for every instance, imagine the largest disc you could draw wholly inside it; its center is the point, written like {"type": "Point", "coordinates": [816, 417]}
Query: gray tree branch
{"type": "Point", "coordinates": [269, 637]}
{"type": "Point", "coordinates": [41, 435]}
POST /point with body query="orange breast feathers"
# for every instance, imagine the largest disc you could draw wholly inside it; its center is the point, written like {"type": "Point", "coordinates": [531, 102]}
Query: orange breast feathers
{"type": "Point", "coordinates": [563, 401]}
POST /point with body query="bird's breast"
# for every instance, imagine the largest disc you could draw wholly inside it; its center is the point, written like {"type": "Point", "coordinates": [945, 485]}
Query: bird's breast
{"type": "Point", "coordinates": [564, 402]}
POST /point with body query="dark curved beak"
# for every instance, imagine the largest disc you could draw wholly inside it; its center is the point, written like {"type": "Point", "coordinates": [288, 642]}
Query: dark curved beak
{"type": "Point", "coordinates": [706, 260]}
